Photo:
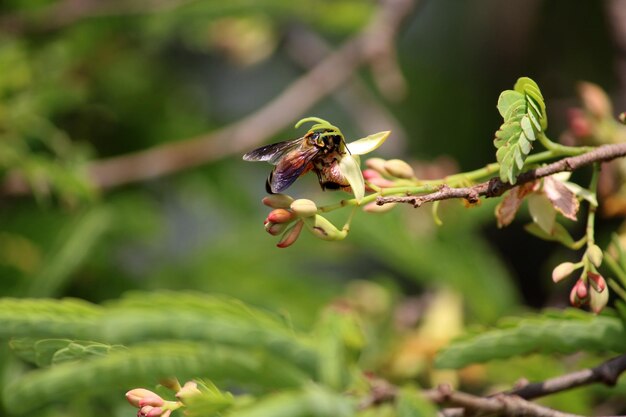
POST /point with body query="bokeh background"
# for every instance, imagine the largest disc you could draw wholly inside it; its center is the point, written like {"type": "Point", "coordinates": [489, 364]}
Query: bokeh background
{"type": "Point", "coordinates": [87, 81]}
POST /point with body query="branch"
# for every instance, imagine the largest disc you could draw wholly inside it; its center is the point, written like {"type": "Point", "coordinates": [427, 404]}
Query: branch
{"type": "Point", "coordinates": [606, 373]}
{"type": "Point", "coordinates": [501, 404]}
{"type": "Point", "coordinates": [508, 403]}
{"type": "Point", "coordinates": [496, 187]}
{"type": "Point", "coordinates": [302, 94]}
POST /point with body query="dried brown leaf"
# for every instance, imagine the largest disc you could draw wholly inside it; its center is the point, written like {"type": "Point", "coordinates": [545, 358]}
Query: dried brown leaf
{"type": "Point", "coordinates": [511, 202]}
{"type": "Point", "coordinates": [561, 197]}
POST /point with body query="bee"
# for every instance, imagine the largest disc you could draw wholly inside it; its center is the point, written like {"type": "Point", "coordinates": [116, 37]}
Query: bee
{"type": "Point", "coordinates": [315, 151]}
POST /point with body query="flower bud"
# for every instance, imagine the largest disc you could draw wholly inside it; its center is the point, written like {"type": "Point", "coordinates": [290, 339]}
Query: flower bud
{"type": "Point", "coordinates": [579, 294]}
{"type": "Point", "coordinates": [597, 281]}
{"type": "Point", "coordinates": [150, 411]}
{"type": "Point", "coordinates": [595, 100]}
{"type": "Point", "coordinates": [280, 216]}
{"type": "Point", "coordinates": [170, 383]}
{"type": "Point", "coordinates": [275, 229]}
{"type": "Point", "coordinates": [622, 117]}
{"type": "Point", "coordinates": [581, 289]}
{"type": "Point", "coordinates": [304, 208]}
{"type": "Point", "coordinates": [377, 164]}
{"type": "Point", "coordinates": [399, 169]}
{"type": "Point", "coordinates": [579, 125]}
{"type": "Point", "coordinates": [190, 389]}
{"type": "Point", "coordinates": [373, 207]}
{"type": "Point", "coordinates": [563, 270]}
{"type": "Point", "coordinates": [277, 200]}
{"type": "Point", "coordinates": [291, 235]}
{"type": "Point", "coordinates": [139, 397]}
{"type": "Point", "coordinates": [594, 254]}
{"type": "Point", "coordinates": [323, 229]}
{"type": "Point", "coordinates": [375, 178]}
{"type": "Point", "coordinates": [598, 299]}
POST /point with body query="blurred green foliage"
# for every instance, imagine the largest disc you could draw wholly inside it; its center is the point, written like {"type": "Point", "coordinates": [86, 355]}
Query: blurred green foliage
{"type": "Point", "coordinates": [79, 85]}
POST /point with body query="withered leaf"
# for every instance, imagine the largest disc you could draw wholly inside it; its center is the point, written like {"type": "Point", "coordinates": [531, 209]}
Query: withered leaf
{"type": "Point", "coordinates": [561, 197]}
{"type": "Point", "coordinates": [511, 202]}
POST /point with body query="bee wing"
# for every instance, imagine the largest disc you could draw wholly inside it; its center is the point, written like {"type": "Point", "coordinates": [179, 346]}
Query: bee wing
{"type": "Point", "coordinates": [273, 153]}
{"type": "Point", "coordinates": [289, 168]}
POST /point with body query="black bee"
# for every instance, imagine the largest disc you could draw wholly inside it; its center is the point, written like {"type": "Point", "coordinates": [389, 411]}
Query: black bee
{"type": "Point", "coordinates": [293, 158]}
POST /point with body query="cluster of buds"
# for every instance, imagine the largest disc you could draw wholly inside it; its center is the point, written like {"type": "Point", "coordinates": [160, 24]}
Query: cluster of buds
{"type": "Point", "coordinates": [383, 173]}
{"type": "Point", "coordinates": [151, 404]}
{"type": "Point", "coordinates": [590, 288]}
{"type": "Point", "coordinates": [289, 216]}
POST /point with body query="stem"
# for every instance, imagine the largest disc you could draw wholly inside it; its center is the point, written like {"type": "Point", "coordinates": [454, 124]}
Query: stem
{"type": "Point", "coordinates": [561, 150]}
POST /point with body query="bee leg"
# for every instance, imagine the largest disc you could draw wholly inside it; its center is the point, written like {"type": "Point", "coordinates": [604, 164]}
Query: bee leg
{"type": "Point", "coordinates": [320, 179]}
{"type": "Point", "coordinates": [331, 185]}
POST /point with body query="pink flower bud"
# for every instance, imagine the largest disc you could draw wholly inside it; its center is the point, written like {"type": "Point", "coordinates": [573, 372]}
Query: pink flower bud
{"type": "Point", "coordinates": [275, 229]}
{"type": "Point", "coordinates": [579, 125]}
{"type": "Point", "coordinates": [377, 164]}
{"type": "Point", "coordinates": [188, 390]}
{"type": "Point", "coordinates": [597, 281]}
{"type": "Point", "coordinates": [137, 396]}
{"type": "Point", "coordinates": [291, 235]}
{"type": "Point", "coordinates": [399, 169]}
{"type": "Point", "coordinates": [277, 201]}
{"type": "Point", "coordinates": [153, 400]}
{"type": "Point", "coordinates": [562, 271]}
{"type": "Point", "coordinates": [573, 298]}
{"type": "Point", "coordinates": [595, 100]}
{"type": "Point", "coordinates": [280, 216]}
{"type": "Point", "coordinates": [581, 289]}
{"type": "Point", "coordinates": [150, 411]}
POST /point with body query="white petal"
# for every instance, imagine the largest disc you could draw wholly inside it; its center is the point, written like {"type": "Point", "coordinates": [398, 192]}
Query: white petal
{"type": "Point", "coordinates": [350, 169]}
{"type": "Point", "coordinates": [368, 144]}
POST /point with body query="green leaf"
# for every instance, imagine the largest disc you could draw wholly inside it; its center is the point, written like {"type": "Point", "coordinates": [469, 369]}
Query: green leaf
{"type": "Point", "coordinates": [568, 331]}
{"type": "Point", "coordinates": [144, 364]}
{"type": "Point", "coordinates": [523, 111]}
{"type": "Point", "coordinates": [368, 143]}
{"type": "Point", "coordinates": [410, 403]}
{"type": "Point", "coordinates": [313, 401]}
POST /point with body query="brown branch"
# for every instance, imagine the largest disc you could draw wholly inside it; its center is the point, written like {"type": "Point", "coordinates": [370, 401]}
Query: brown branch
{"type": "Point", "coordinates": [248, 132]}
{"type": "Point", "coordinates": [509, 403]}
{"type": "Point", "coordinates": [606, 373]}
{"type": "Point", "coordinates": [495, 187]}
{"type": "Point", "coordinates": [501, 404]}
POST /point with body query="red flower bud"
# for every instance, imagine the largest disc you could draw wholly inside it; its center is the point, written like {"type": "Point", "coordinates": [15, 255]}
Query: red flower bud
{"type": "Point", "coordinates": [281, 216]}
{"type": "Point", "coordinates": [291, 235]}
{"type": "Point", "coordinates": [275, 229]}
{"type": "Point", "coordinates": [597, 281]}
{"type": "Point", "coordinates": [581, 289]}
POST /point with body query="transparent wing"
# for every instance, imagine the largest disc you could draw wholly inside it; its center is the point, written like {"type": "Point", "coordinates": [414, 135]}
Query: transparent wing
{"type": "Point", "coordinates": [290, 167]}
{"type": "Point", "coordinates": [273, 153]}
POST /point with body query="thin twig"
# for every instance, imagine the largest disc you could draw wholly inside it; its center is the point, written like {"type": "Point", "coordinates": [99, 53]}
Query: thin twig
{"type": "Point", "coordinates": [606, 373]}
{"type": "Point", "coordinates": [496, 187]}
{"type": "Point", "coordinates": [292, 103]}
